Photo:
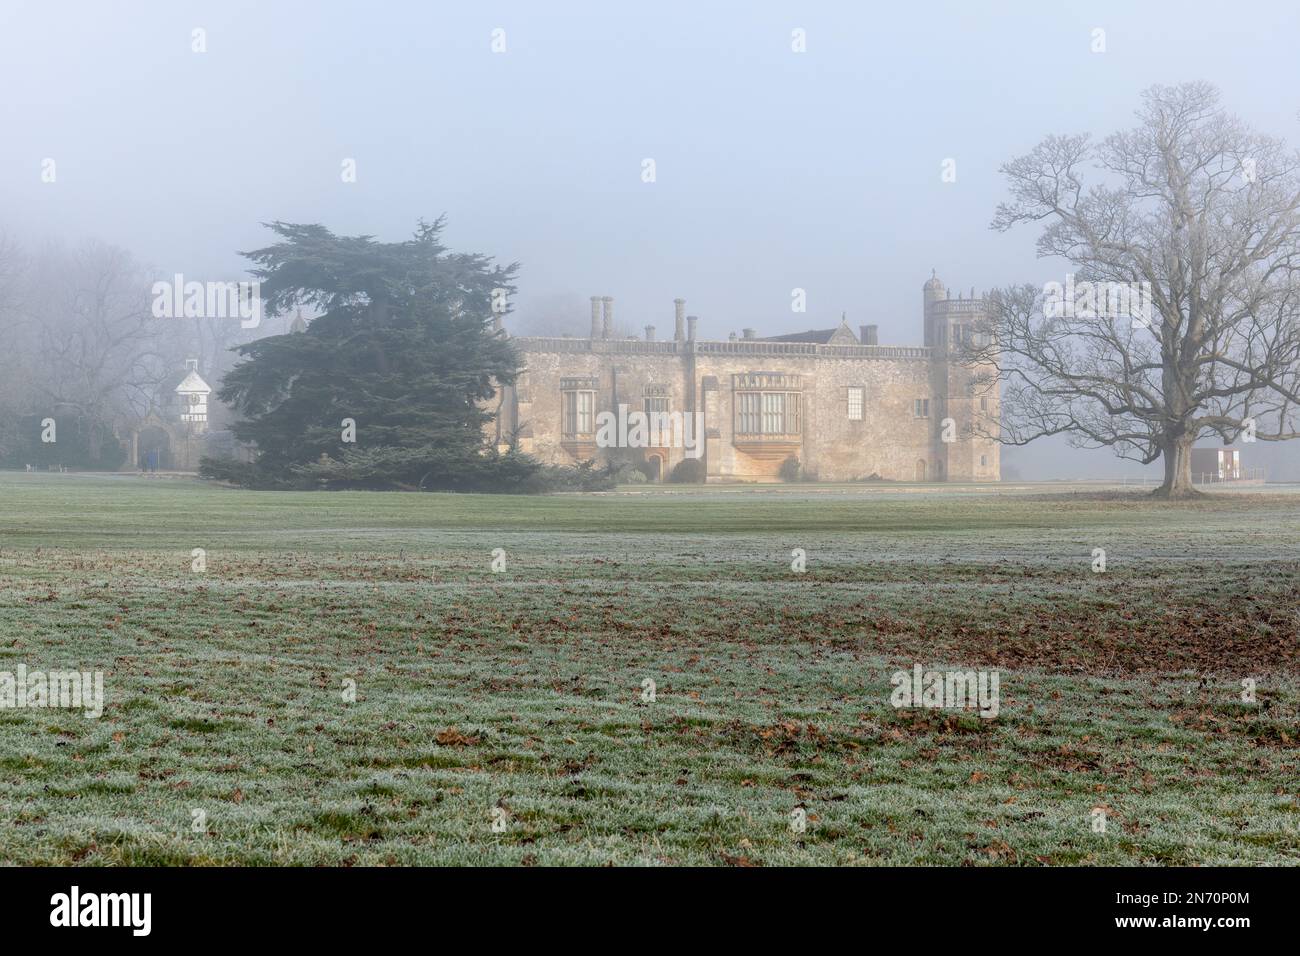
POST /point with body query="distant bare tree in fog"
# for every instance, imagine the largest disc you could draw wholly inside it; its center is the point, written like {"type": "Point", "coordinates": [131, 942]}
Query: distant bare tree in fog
{"type": "Point", "coordinates": [15, 373]}
{"type": "Point", "coordinates": [1189, 324]}
{"type": "Point", "coordinates": [562, 314]}
{"type": "Point", "coordinates": [81, 345]}
{"type": "Point", "coordinates": [556, 314]}
{"type": "Point", "coordinates": [96, 340]}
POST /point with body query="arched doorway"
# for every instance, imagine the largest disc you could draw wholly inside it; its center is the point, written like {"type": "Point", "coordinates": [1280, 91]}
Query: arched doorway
{"type": "Point", "coordinates": [920, 469]}
{"type": "Point", "coordinates": [655, 468]}
{"type": "Point", "coordinates": [154, 449]}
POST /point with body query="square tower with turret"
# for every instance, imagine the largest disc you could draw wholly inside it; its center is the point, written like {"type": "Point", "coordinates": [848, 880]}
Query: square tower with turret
{"type": "Point", "coordinates": [966, 393]}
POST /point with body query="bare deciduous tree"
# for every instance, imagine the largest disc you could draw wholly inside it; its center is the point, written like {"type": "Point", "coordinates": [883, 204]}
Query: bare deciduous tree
{"type": "Point", "coordinates": [1192, 228]}
{"type": "Point", "coordinates": [97, 357]}
{"type": "Point", "coordinates": [81, 343]}
{"type": "Point", "coordinates": [15, 372]}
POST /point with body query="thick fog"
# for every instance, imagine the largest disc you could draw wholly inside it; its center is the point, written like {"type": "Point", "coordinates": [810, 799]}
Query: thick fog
{"type": "Point", "coordinates": [530, 124]}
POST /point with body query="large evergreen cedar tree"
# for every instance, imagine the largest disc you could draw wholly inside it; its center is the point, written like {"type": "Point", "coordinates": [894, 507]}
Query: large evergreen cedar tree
{"type": "Point", "coordinates": [403, 345]}
{"type": "Point", "coordinates": [1203, 212]}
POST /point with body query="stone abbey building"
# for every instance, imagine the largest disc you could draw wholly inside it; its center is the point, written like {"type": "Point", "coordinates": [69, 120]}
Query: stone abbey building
{"type": "Point", "coordinates": [847, 407]}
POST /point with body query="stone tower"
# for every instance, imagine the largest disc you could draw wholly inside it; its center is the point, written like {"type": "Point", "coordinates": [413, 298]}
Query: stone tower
{"type": "Point", "coordinates": [964, 406]}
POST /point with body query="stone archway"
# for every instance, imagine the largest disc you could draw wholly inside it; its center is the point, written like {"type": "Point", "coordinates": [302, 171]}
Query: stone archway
{"type": "Point", "coordinates": [920, 469]}
{"type": "Point", "coordinates": [655, 468]}
{"type": "Point", "coordinates": [153, 448]}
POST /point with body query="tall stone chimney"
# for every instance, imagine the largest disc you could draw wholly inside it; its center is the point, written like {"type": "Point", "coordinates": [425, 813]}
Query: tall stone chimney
{"type": "Point", "coordinates": [870, 335]}
{"type": "Point", "coordinates": [691, 322]}
{"type": "Point", "coordinates": [595, 316]}
{"type": "Point", "coordinates": [679, 311]}
{"type": "Point", "coordinates": [609, 316]}
{"type": "Point", "coordinates": [649, 333]}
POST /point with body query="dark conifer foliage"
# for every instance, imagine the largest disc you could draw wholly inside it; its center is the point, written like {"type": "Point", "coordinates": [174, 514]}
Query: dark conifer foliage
{"type": "Point", "coordinates": [403, 345]}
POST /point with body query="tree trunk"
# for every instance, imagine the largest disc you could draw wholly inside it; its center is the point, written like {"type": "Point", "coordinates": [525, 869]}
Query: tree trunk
{"type": "Point", "coordinates": [1178, 470]}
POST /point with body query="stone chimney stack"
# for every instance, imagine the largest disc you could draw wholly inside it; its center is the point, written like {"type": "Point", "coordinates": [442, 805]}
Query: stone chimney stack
{"type": "Point", "coordinates": [870, 335]}
{"type": "Point", "coordinates": [679, 310]}
{"type": "Point", "coordinates": [595, 316]}
{"type": "Point", "coordinates": [691, 322]}
{"type": "Point", "coordinates": [750, 334]}
{"type": "Point", "coordinates": [609, 316]}
{"type": "Point", "coordinates": [649, 333]}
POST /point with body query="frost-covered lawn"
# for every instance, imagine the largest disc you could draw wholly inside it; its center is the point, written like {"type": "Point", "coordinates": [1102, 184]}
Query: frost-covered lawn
{"type": "Point", "coordinates": [227, 708]}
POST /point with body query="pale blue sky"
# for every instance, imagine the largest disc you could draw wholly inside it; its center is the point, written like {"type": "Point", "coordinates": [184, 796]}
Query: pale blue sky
{"type": "Point", "coordinates": [775, 170]}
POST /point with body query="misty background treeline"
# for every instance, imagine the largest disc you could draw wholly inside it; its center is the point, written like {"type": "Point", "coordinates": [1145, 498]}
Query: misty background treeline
{"type": "Point", "coordinates": [79, 344]}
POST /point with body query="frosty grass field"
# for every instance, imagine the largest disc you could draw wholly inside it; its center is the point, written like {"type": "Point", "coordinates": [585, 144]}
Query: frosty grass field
{"type": "Point", "coordinates": [515, 698]}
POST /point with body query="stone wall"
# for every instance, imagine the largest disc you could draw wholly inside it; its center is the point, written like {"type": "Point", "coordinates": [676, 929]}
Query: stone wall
{"type": "Point", "coordinates": [890, 441]}
{"type": "Point", "coordinates": [887, 441]}
{"type": "Point", "coordinates": [895, 439]}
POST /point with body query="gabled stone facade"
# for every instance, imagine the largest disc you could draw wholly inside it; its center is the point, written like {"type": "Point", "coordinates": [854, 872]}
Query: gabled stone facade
{"type": "Point", "coordinates": [846, 407]}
